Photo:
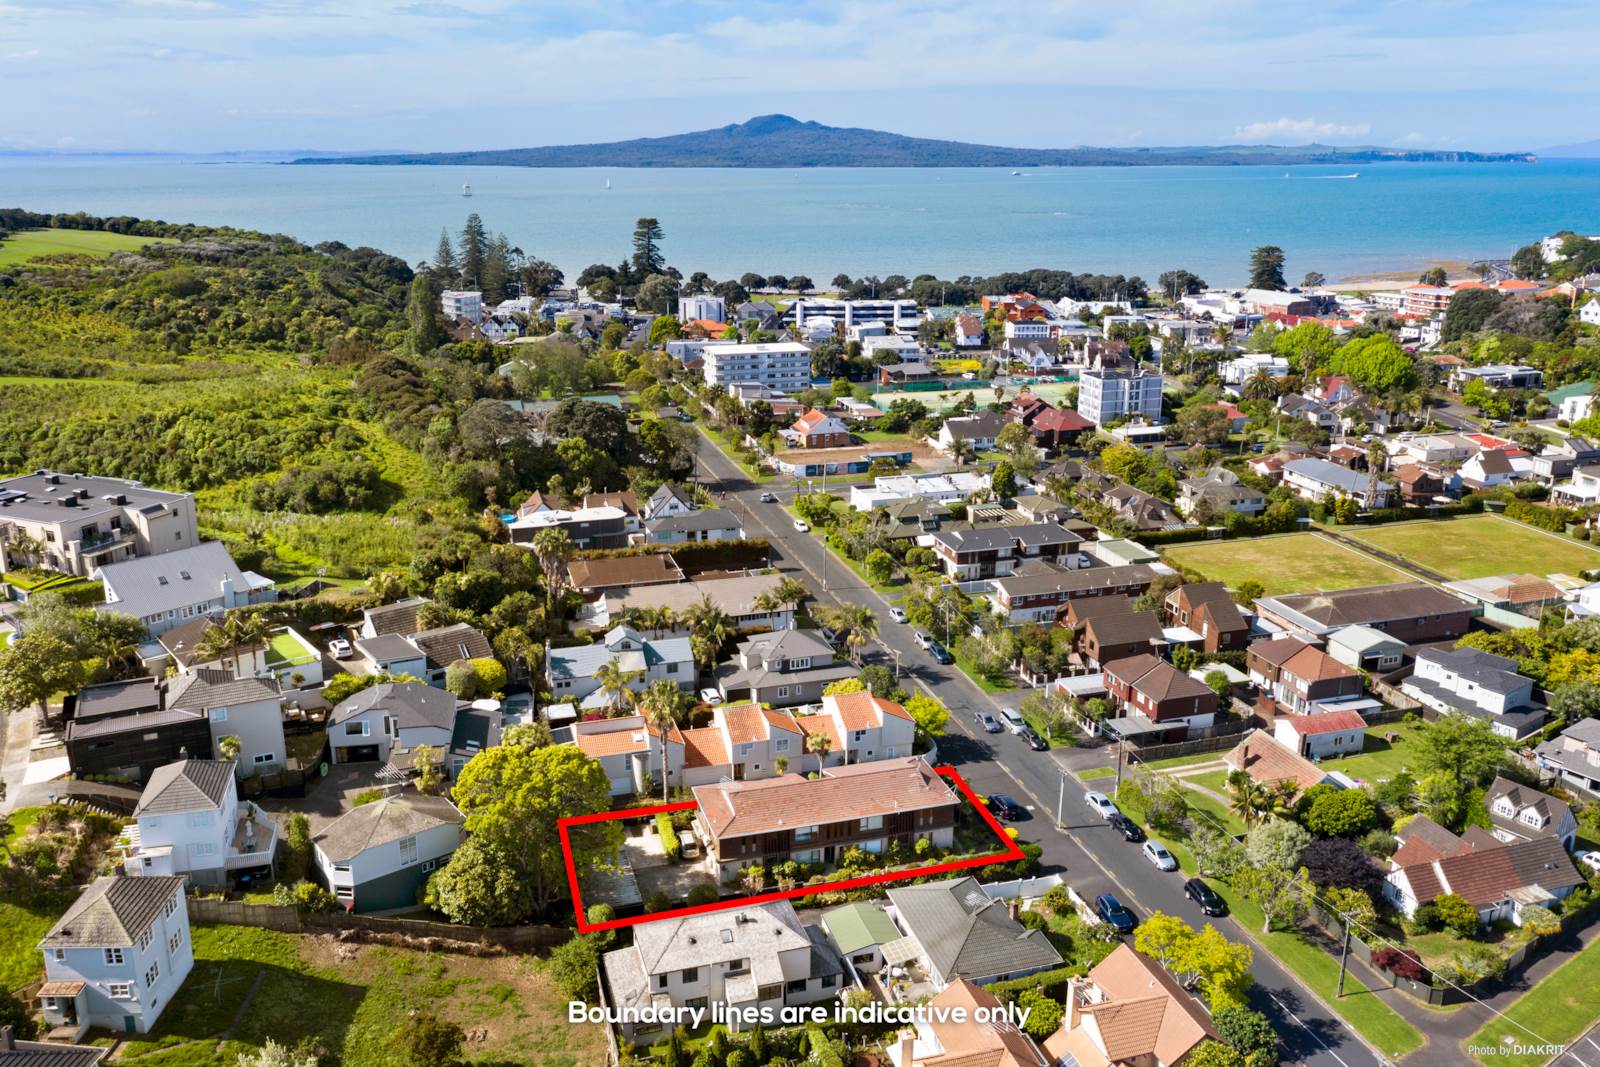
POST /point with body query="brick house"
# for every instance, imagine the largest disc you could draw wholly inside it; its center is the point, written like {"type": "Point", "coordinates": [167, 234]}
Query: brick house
{"type": "Point", "coordinates": [1208, 610]}
{"type": "Point", "coordinates": [817, 429]}
{"type": "Point", "coordinates": [1160, 692]}
{"type": "Point", "coordinates": [1112, 637]}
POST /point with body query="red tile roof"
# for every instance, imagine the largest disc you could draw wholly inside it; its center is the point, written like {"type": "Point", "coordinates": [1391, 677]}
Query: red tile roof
{"type": "Point", "coordinates": [886, 787]}
{"type": "Point", "coordinates": [1315, 665]}
{"type": "Point", "coordinates": [1326, 722]}
{"type": "Point", "coordinates": [863, 711]}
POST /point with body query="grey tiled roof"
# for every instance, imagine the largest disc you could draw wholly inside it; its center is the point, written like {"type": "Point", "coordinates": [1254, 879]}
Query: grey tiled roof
{"type": "Point", "coordinates": [208, 689]}
{"type": "Point", "coordinates": [446, 644]}
{"type": "Point", "coordinates": [188, 785]}
{"type": "Point", "coordinates": [112, 912]}
{"type": "Point", "coordinates": [383, 821]}
{"type": "Point", "coordinates": [397, 618]}
{"type": "Point", "coordinates": [411, 704]}
{"type": "Point", "coordinates": [966, 934]}
{"type": "Point", "coordinates": [150, 585]}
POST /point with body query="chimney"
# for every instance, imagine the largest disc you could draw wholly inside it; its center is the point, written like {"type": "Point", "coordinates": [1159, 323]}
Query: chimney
{"type": "Point", "coordinates": [1069, 1018]}
{"type": "Point", "coordinates": [1011, 909]}
{"type": "Point", "coordinates": [906, 1056]}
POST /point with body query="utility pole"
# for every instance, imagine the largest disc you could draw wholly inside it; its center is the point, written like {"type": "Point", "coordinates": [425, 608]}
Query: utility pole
{"type": "Point", "coordinates": [1344, 953]}
{"type": "Point", "coordinates": [1061, 800]}
{"type": "Point", "coordinates": [1118, 788]}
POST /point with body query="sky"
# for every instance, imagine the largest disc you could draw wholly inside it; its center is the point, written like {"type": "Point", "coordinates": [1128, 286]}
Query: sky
{"type": "Point", "coordinates": [362, 75]}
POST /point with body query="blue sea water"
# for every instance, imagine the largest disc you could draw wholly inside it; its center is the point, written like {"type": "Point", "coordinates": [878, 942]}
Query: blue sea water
{"type": "Point", "coordinates": [948, 222]}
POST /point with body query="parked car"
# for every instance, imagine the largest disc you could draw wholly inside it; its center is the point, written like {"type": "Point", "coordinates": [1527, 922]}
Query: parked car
{"type": "Point", "coordinates": [1157, 853]}
{"type": "Point", "coordinates": [1100, 804]}
{"type": "Point", "coordinates": [1013, 720]}
{"type": "Point", "coordinates": [768, 498]}
{"type": "Point", "coordinates": [922, 639]}
{"type": "Point", "coordinates": [987, 722]}
{"type": "Point", "coordinates": [1004, 808]}
{"type": "Point", "coordinates": [801, 526]}
{"type": "Point", "coordinates": [1112, 912]}
{"type": "Point", "coordinates": [897, 614]}
{"type": "Point", "coordinates": [940, 654]}
{"type": "Point", "coordinates": [1126, 827]}
{"type": "Point", "coordinates": [1035, 742]}
{"type": "Point", "coordinates": [1210, 903]}
{"type": "Point", "coordinates": [339, 648]}
{"type": "Point", "coordinates": [1590, 860]}
{"type": "Point", "coordinates": [710, 696]}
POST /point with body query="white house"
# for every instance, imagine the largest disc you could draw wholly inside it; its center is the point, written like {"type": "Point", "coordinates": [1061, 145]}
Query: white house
{"type": "Point", "coordinates": [1323, 735]}
{"type": "Point", "coordinates": [749, 958]}
{"type": "Point", "coordinates": [172, 588]}
{"type": "Point", "coordinates": [906, 348]}
{"type": "Point", "coordinates": [378, 855]}
{"type": "Point", "coordinates": [189, 822]}
{"type": "Point", "coordinates": [250, 709]}
{"type": "Point", "coordinates": [706, 524]}
{"type": "Point", "coordinates": [1573, 755]}
{"type": "Point", "coordinates": [1522, 813]}
{"type": "Point", "coordinates": [702, 306]}
{"type": "Point", "coordinates": [1589, 314]}
{"type": "Point", "coordinates": [1474, 682]}
{"type": "Point", "coordinates": [462, 304]}
{"type": "Point", "coordinates": [861, 727]}
{"type": "Point", "coordinates": [117, 957]}
{"type": "Point", "coordinates": [969, 332]}
{"type": "Point", "coordinates": [666, 502]}
{"type": "Point", "coordinates": [1318, 479]}
{"type": "Point", "coordinates": [391, 717]}
{"type": "Point", "coordinates": [1498, 878]}
{"type": "Point", "coordinates": [979, 431]}
{"type": "Point", "coordinates": [572, 671]}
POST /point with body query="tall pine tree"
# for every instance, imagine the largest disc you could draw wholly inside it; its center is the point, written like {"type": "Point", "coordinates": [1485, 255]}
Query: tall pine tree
{"type": "Point", "coordinates": [444, 257]}
{"type": "Point", "coordinates": [474, 245]}
{"type": "Point", "coordinates": [647, 258]}
{"type": "Point", "coordinates": [424, 330]}
{"type": "Point", "coordinates": [496, 269]}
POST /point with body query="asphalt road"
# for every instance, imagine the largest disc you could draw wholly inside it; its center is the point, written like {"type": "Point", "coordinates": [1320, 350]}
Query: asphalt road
{"type": "Point", "coordinates": [1085, 851]}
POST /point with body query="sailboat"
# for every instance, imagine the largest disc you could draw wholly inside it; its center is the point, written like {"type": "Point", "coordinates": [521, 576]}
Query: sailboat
{"type": "Point", "coordinates": [608, 183]}
{"type": "Point", "coordinates": [466, 190]}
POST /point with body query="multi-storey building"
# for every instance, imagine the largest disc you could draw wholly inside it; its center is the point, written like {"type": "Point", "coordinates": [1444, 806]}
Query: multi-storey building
{"type": "Point", "coordinates": [74, 523]}
{"type": "Point", "coordinates": [702, 306]}
{"type": "Point", "coordinates": [781, 365]}
{"type": "Point", "coordinates": [996, 551]}
{"type": "Point", "coordinates": [1109, 394]}
{"type": "Point", "coordinates": [190, 822]}
{"type": "Point", "coordinates": [462, 304]}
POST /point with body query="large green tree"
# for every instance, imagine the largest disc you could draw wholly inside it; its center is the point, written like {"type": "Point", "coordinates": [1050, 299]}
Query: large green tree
{"type": "Point", "coordinates": [36, 667]}
{"type": "Point", "coordinates": [1266, 268]}
{"type": "Point", "coordinates": [647, 258]}
{"type": "Point", "coordinates": [1462, 747]}
{"type": "Point", "coordinates": [424, 328]}
{"type": "Point", "coordinates": [1376, 363]}
{"type": "Point", "coordinates": [478, 887]}
{"type": "Point", "coordinates": [474, 247]}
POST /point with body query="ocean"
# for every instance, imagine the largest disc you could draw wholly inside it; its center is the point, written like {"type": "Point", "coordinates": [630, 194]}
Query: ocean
{"type": "Point", "coordinates": [820, 222]}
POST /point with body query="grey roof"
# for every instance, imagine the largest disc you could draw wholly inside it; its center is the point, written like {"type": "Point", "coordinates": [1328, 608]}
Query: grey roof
{"type": "Point", "coordinates": [1497, 674]}
{"type": "Point", "coordinates": [112, 912]}
{"type": "Point", "coordinates": [383, 821]}
{"type": "Point", "coordinates": [825, 960]}
{"type": "Point", "coordinates": [210, 688]}
{"type": "Point", "coordinates": [965, 934]}
{"type": "Point", "coordinates": [397, 618]}
{"type": "Point", "coordinates": [108, 725]}
{"type": "Point", "coordinates": [116, 698]}
{"type": "Point", "coordinates": [410, 703]}
{"type": "Point", "coordinates": [757, 934]}
{"type": "Point", "coordinates": [150, 585]}
{"type": "Point", "coordinates": [984, 425]}
{"type": "Point", "coordinates": [1328, 473]}
{"type": "Point", "coordinates": [776, 647]}
{"type": "Point", "coordinates": [787, 644]}
{"type": "Point", "coordinates": [444, 645]}
{"type": "Point", "coordinates": [1523, 797]}
{"type": "Point", "coordinates": [475, 730]}
{"type": "Point", "coordinates": [1360, 638]}
{"type": "Point", "coordinates": [1368, 604]}
{"type": "Point", "coordinates": [583, 661]}
{"type": "Point", "coordinates": [183, 642]}
{"type": "Point", "coordinates": [386, 648]}
{"type": "Point", "coordinates": [37, 498]}
{"type": "Point", "coordinates": [1076, 581]}
{"type": "Point", "coordinates": [696, 521]}
{"type": "Point", "coordinates": [188, 785]}
{"type": "Point", "coordinates": [1127, 628]}
{"type": "Point", "coordinates": [50, 1054]}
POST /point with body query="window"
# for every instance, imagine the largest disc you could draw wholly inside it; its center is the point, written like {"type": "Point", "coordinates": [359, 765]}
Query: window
{"type": "Point", "coordinates": [60, 954]}
{"type": "Point", "coordinates": [219, 714]}
{"type": "Point", "coordinates": [688, 975]}
{"type": "Point", "coordinates": [119, 990]}
{"type": "Point", "coordinates": [737, 966]}
{"type": "Point", "coordinates": [145, 938]}
{"type": "Point", "coordinates": [199, 819]}
{"type": "Point", "coordinates": [783, 744]}
{"type": "Point", "coordinates": [828, 980]}
{"type": "Point", "coordinates": [174, 941]}
{"type": "Point", "coordinates": [151, 975]}
{"type": "Point", "coordinates": [871, 822]}
{"type": "Point", "coordinates": [661, 981]}
{"type": "Point", "coordinates": [805, 833]}
{"type": "Point", "coordinates": [357, 729]}
{"type": "Point", "coordinates": [344, 892]}
{"type": "Point", "coordinates": [203, 848]}
{"type": "Point", "coordinates": [113, 957]}
{"type": "Point", "coordinates": [172, 905]}
{"type": "Point", "coordinates": [798, 985]}
{"type": "Point", "coordinates": [408, 850]}
{"type": "Point", "coordinates": [783, 691]}
{"type": "Point", "coordinates": [265, 757]}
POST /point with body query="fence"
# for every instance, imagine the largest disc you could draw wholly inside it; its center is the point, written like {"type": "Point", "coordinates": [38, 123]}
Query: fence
{"type": "Point", "coordinates": [1022, 888]}
{"type": "Point", "coordinates": [294, 921]}
{"type": "Point", "coordinates": [1213, 742]}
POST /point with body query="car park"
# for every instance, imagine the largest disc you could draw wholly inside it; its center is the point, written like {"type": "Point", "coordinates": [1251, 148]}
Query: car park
{"type": "Point", "coordinates": [1157, 853]}
{"type": "Point", "coordinates": [988, 723]}
{"type": "Point", "coordinates": [1125, 826]}
{"type": "Point", "coordinates": [1004, 808]}
{"type": "Point", "coordinates": [339, 648]}
{"type": "Point", "coordinates": [1113, 913]}
{"type": "Point", "coordinates": [801, 526]}
{"type": "Point", "coordinates": [940, 654]}
{"type": "Point", "coordinates": [897, 614]}
{"type": "Point", "coordinates": [1035, 742]}
{"type": "Point", "coordinates": [1100, 804]}
{"type": "Point", "coordinates": [1210, 903]}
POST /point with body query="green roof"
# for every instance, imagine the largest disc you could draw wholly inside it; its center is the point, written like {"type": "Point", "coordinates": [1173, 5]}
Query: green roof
{"type": "Point", "coordinates": [1556, 396]}
{"type": "Point", "coordinates": [858, 926]}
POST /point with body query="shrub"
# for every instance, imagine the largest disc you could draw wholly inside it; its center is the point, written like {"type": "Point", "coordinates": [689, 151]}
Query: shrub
{"type": "Point", "coordinates": [1044, 1014]}
{"type": "Point", "coordinates": [1457, 914]}
{"type": "Point", "coordinates": [1032, 920]}
{"type": "Point", "coordinates": [670, 846]}
{"type": "Point", "coordinates": [430, 1041]}
{"type": "Point", "coordinates": [1403, 962]}
{"type": "Point", "coordinates": [657, 902]}
{"type": "Point", "coordinates": [702, 894]}
{"type": "Point", "coordinates": [15, 1015]}
{"type": "Point", "coordinates": [368, 796]}
{"type": "Point", "coordinates": [308, 896]}
{"type": "Point", "coordinates": [572, 967]}
{"type": "Point", "coordinates": [1057, 900]}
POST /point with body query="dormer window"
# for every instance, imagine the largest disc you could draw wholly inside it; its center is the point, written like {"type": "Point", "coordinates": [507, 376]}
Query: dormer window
{"type": "Point", "coordinates": [1503, 806]}
{"type": "Point", "coordinates": [1531, 817]}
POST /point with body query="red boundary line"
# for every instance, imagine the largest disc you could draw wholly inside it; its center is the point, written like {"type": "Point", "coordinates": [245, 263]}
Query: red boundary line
{"type": "Point", "coordinates": [1013, 852]}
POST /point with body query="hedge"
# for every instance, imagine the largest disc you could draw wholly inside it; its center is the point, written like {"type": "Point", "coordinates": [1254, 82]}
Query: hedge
{"type": "Point", "coordinates": [670, 845]}
{"type": "Point", "coordinates": [697, 556]}
{"type": "Point", "coordinates": [1053, 982]}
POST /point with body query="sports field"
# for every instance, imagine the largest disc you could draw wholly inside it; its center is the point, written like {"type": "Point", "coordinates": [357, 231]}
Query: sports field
{"type": "Point", "coordinates": [1288, 563]}
{"type": "Point", "coordinates": [31, 244]}
{"type": "Point", "coordinates": [1477, 546]}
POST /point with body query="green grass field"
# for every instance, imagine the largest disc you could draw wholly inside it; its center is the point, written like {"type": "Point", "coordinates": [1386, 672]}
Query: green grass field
{"type": "Point", "coordinates": [1379, 759]}
{"type": "Point", "coordinates": [1288, 563]}
{"type": "Point", "coordinates": [1557, 1010]}
{"type": "Point", "coordinates": [31, 244]}
{"type": "Point", "coordinates": [1477, 546]}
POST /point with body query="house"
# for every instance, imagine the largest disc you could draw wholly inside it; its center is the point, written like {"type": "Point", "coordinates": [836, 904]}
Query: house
{"type": "Point", "coordinates": [1321, 480]}
{"type": "Point", "coordinates": [1522, 813]}
{"type": "Point", "coordinates": [1038, 592]}
{"type": "Point", "coordinates": [1057, 428]}
{"type": "Point", "coordinates": [120, 729]}
{"type": "Point", "coordinates": [969, 332]}
{"type": "Point", "coordinates": [1315, 412]}
{"type": "Point", "coordinates": [1573, 755]}
{"type": "Point", "coordinates": [573, 672]}
{"type": "Point", "coordinates": [118, 956]}
{"type": "Point", "coordinates": [1128, 1010]}
{"type": "Point", "coordinates": [737, 596]}
{"type": "Point", "coordinates": [861, 727]}
{"type": "Point", "coordinates": [1473, 682]}
{"type": "Point", "coordinates": [702, 306]}
{"type": "Point", "coordinates": [476, 729]}
{"type": "Point", "coordinates": [1113, 637]}
{"type": "Point", "coordinates": [668, 500]}
{"type": "Point", "coordinates": [1041, 509]}
{"type": "Point", "coordinates": [1366, 649]}
{"type": "Point", "coordinates": [1154, 688]}
{"type": "Point", "coordinates": [376, 856]}
{"type": "Point", "coordinates": [760, 957]}
{"type": "Point", "coordinates": [1487, 469]}
{"type": "Point", "coordinates": [868, 806]}
{"type": "Point", "coordinates": [602, 527]}
{"type": "Point", "coordinates": [183, 644]}
{"type": "Point", "coordinates": [1322, 736]}
{"type": "Point", "coordinates": [444, 645]}
{"type": "Point", "coordinates": [75, 523]}
{"type": "Point", "coordinates": [977, 432]}
{"type": "Point", "coordinates": [859, 931]}
{"type": "Point", "coordinates": [1208, 609]}
{"type": "Point", "coordinates": [1220, 490]}
{"type": "Point", "coordinates": [461, 304]}
{"type": "Point", "coordinates": [189, 823]}
{"type": "Point", "coordinates": [906, 373]}
{"type": "Point", "coordinates": [1301, 678]}
{"type": "Point", "coordinates": [817, 429]}
{"type": "Point", "coordinates": [165, 590]}
{"type": "Point", "coordinates": [940, 488]}
{"type": "Point", "coordinates": [996, 551]}
{"type": "Point", "coordinates": [1236, 372]}
{"type": "Point", "coordinates": [399, 617]}
{"type": "Point", "coordinates": [983, 1036]}
{"type": "Point", "coordinates": [1498, 878]}
{"type": "Point", "coordinates": [706, 524]}
{"type": "Point", "coordinates": [1413, 612]}
{"type": "Point", "coordinates": [909, 520]}
{"type": "Point", "coordinates": [391, 654]}
{"type": "Point", "coordinates": [1498, 376]}
{"type": "Point", "coordinates": [1268, 761]}
{"type": "Point", "coordinates": [1419, 484]}
{"type": "Point", "coordinates": [1080, 611]}
{"type": "Point", "coordinates": [596, 577]}
{"type": "Point", "coordinates": [391, 717]}
{"type": "Point", "coordinates": [18, 1053]}
{"type": "Point", "coordinates": [1110, 394]}
{"type": "Point", "coordinates": [1581, 490]}
{"type": "Point", "coordinates": [1141, 510]}
{"type": "Point", "coordinates": [782, 668]}
{"type": "Point", "coordinates": [628, 749]}
{"type": "Point", "coordinates": [250, 709]}
{"type": "Point", "coordinates": [959, 933]}
{"type": "Point", "coordinates": [1559, 459]}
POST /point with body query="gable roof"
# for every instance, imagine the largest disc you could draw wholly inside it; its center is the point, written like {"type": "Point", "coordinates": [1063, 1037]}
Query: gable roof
{"type": "Point", "coordinates": [410, 703]}
{"type": "Point", "coordinates": [646, 568]}
{"type": "Point", "coordinates": [994, 1043]}
{"type": "Point", "coordinates": [1314, 665]}
{"type": "Point", "coordinates": [696, 521]}
{"type": "Point", "coordinates": [210, 688]}
{"type": "Point", "coordinates": [1368, 604]}
{"type": "Point", "coordinates": [966, 934]}
{"type": "Point", "coordinates": [1146, 1012]}
{"type": "Point", "coordinates": [862, 710]}
{"type": "Point", "coordinates": [152, 585]}
{"type": "Point", "coordinates": [112, 912]}
{"type": "Point", "coordinates": [1324, 722]}
{"type": "Point", "coordinates": [1134, 627]}
{"type": "Point", "coordinates": [444, 645]}
{"type": "Point", "coordinates": [861, 925]}
{"type": "Point", "coordinates": [400, 617]}
{"type": "Point", "coordinates": [383, 821]}
{"type": "Point", "coordinates": [1266, 760]}
{"type": "Point", "coordinates": [188, 785]}
{"type": "Point", "coordinates": [1156, 678]}
{"type": "Point", "coordinates": [1522, 798]}
{"type": "Point", "coordinates": [884, 787]}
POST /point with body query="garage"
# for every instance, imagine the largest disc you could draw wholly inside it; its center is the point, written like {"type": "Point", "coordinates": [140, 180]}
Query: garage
{"type": "Point", "coordinates": [358, 754]}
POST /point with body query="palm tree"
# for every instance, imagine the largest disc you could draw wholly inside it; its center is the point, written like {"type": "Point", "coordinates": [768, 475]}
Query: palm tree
{"type": "Point", "coordinates": [1261, 386]}
{"type": "Point", "coordinates": [862, 624]}
{"type": "Point", "coordinates": [1249, 799]}
{"type": "Point", "coordinates": [614, 681]}
{"type": "Point", "coordinates": [552, 547]}
{"type": "Point", "coordinates": [789, 593]}
{"type": "Point", "coordinates": [819, 745]}
{"type": "Point", "coordinates": [709, 629]}
{"type": "Point", "coordinates": [961, 451]}
{"type": "Point", "coordinates": [662, 706]}
{"type": "Point", "coordinates": [1377, 459]}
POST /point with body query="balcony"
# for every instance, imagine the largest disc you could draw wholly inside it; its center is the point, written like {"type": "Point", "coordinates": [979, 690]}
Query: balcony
{"type": "Point", "coordinates": [254, 840]}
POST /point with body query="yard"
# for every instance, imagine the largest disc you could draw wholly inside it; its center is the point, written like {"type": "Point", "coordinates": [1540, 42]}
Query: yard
{"type": "Point", "coordinates": [286, 650]}
{"type": "Point", "coordinates": [1286, 563]}
{"type": "Point", "coordinates": [1380, 759]}
{"type": "Point", "coordinates": [1477, 546]}
{"type": "Point", "coordinates": [1557, 1010]}
{"type": "Point", "coordinates": [31, 244]}
{"type": "Point", "coordinates": [250, 984]}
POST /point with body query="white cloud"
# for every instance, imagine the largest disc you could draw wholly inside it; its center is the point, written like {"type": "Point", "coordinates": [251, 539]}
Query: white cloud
{"type": "Point", "coordinates": [1301, 129]}
{"type": "Point", "coordinates": [1414, 137]}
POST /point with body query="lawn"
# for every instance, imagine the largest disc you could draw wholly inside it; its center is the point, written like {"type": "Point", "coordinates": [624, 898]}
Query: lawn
{"type": "Point", "coordinates": [21, 927]}
{"type": "Point", "coordinates": [1478, 546]}
{"type": "Point", "coordinates": [353, 1000]}
{"type": "Point", "coordinates": [1005, 685]}
{"type": "Point", "coordinates": [285, 648]}
{"type": "Point", "coordinates": [1558, 1009]}
{"type": "Point", "coordinates": [1286, 563]}
{"type": "Point", "coordinates": [31, 244]}
{"type": "Point", "coordinates": [1379, 759]}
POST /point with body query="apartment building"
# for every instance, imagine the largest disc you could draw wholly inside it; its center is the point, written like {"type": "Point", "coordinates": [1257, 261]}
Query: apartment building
{"type": "Point", "coordinates": [996, 551]}
{"type": "Point", "coordinates": [1040, 594]}
{"type": "Point", "coordinates": [1109, 394]}
{"type": "Point", "coordinates": [462, 304]}
{"type": "Point", "coordinates": [781, 365]}
{"type": "Point", "coordinates": [74, 523]}
{"type": "Point", "coordinates": [702, 306]}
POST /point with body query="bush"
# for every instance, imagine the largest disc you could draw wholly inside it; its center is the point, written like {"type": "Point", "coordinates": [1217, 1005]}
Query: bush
{"type": "Point", "coordinates": [670, 845]}
{"type": "Point", "coordinates": [657, 902]}
{"type": "Point", "coordinates": [572, 967]}
{"type": "Point", "coordinates": [1032, 920]}
{"type": "Point", "coordinates": [14, 1015]}
{"type": "Point", "coordinates": [369, 796]}
{"type": "Point", "coordinates": [703, 894]}
{"type": "Point", "coordinates": [431, 1041]}
{"type": "Point", "coordinates": [1044, 1014]}
{"type": "Point", "coordinates": [308, 896]}
{"type": "Point", "coordinates": [1057, 900]}
{"type": "Point", "coordinates": [1457, 914]}
{"type": "Point", "coordinates": [1403, 962]}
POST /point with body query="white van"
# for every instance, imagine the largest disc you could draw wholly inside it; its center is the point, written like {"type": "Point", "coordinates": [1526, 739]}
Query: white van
{"type": "Point", "coordinates": [1013, 720]}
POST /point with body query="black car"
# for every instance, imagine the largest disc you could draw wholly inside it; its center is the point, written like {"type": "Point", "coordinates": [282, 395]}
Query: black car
{"type": "Point", "coordinates": [1004, 808]}
{"type": "Point", "coordinates": [940, 654]}
{"type": "Point", "coordinates": [1203, 895]}
{"type": "Point", "coordinates": [1126, 827]}
{"type": "Point", "coordinates": [1035, 742]}
{"type": "Point", "coordinates": [1110, 909]}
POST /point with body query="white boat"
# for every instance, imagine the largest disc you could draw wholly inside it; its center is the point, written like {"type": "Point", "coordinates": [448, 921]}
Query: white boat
{"type": "Point", "coordinates": [466, 190]}
{"type": "Point", "coordinates": [608, 183]}
{"type": "Point", "coordinates": [1016, 174]}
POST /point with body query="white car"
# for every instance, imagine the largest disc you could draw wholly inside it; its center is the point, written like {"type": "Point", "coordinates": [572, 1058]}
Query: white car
{"type": "Point", "coordinates": [1590, 860]}
{"type": "Point", "coordinates": [801, 526]}
{"type": "Point", "coordinates": [339, 648]}
{"type": "Point", "coordinates": [1100, 804]}
{"type": "Point", "coordinates": [710, 696]}
{"type": "Point", "coordinates": [922, 639]}
{"type": "Point", "coordinates": [1157, 853]}
{"type": "Point", "coordinates": [897, 614]}
{"type": "Point", "coordinates": [1013, 720]}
